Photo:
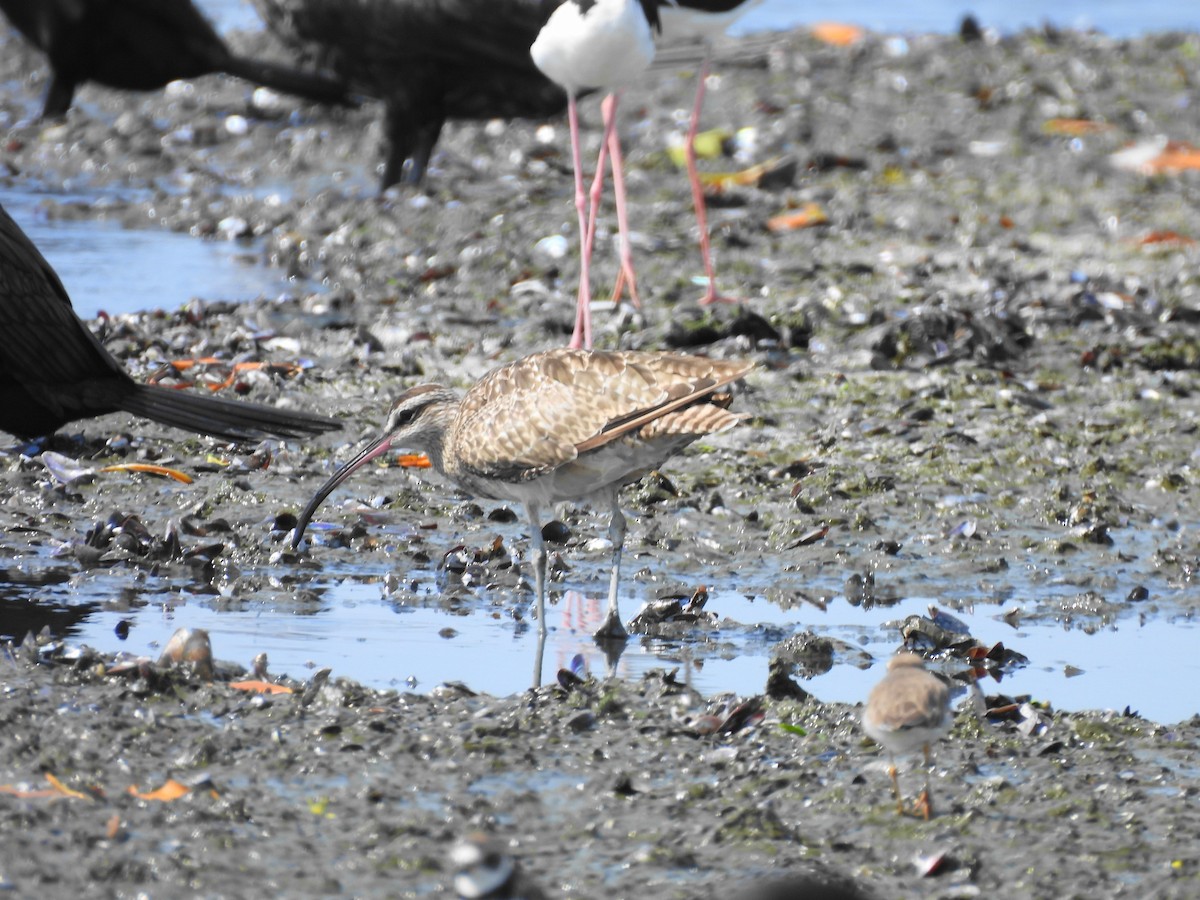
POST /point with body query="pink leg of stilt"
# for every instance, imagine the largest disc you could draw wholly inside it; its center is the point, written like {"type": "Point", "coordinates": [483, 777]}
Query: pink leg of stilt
{"type": "Point", "coordinates": [582, 335]}
{"type": "Point", "coordinates": [608, 110]}
{"type": "Point", "coordinates": [626, 275]}
{"type": "Point", "coordinates": [710, 295]}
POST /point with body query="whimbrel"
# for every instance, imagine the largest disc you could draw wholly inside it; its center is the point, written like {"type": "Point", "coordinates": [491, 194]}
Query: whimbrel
{"type": "Point", "coordinates": [560, 425]}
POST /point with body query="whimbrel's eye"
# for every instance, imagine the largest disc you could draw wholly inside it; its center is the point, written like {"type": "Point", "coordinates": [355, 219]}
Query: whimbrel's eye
{"type": "Point", "coordinates": [402, 417]}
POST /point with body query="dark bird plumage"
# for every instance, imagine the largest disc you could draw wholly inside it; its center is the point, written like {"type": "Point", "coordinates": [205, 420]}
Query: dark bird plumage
{"type": "Point", "coordinates": [429, 61]}
{"type": "Point", "coordinates": [142, 45]}
{"type": "Point", "coordinates": [53, 370]}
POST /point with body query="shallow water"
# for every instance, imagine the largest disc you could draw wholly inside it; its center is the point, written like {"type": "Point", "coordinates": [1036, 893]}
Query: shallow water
{"type": "Point", "coordinates": [1119, 18]}
{"type": "Point", "coordinates": [106, 267]}
{"type": "Point", "coordinates": [361, 631]}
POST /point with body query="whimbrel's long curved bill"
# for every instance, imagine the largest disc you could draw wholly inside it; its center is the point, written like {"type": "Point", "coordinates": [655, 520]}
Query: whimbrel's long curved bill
{"type": "Point", "coordinates": [375, 448]}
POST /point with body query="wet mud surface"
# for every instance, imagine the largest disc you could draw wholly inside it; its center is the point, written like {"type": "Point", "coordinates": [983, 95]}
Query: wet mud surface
{"type": "Point", "coordinates": [979, 371]}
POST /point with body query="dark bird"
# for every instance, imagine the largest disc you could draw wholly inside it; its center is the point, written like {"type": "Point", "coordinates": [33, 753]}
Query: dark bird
{"type": "Point", "coordinates": [429, 61]}
{"type": "Point", "coordinates": [803, 887]}
{"type": "Point", "coordinates": [53, 370]}
{"type": "Point", "coordinates": [141, 45]}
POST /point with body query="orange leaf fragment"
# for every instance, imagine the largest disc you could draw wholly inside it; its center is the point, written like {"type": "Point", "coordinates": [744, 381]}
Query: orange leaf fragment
{"type": "Point", "coordinates": [171, 790]}
{"type": "Point", "coordinates": [149, 469]}
{"type": "Point", "coordinates": [1157, 157]}
{"type": "Point", "coordinates": [413, 461]}
{"type": "Point", "coordinates": [20, 794]}
{"type": "Point", "coordinates": [182, 365]}
{"type": "Point", "coordinates": [809, 216]}
{"type": "Point", "coordinates": [1177, 156]}
{"type": "Point", "coordinates": [65, 791]}
{"type": "Point", "coordinates": [1166, 237]}
{"type": "Point", "coordinates": [1075, 127]}
{"type": "Point", "coordinates": [837, 34]}
{"type": "Point", "coordinates": [56, 791]}
{"type": "Point", "coordinates": [261, 687]}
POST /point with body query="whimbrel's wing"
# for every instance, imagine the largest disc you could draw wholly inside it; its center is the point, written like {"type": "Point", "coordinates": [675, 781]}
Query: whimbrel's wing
{"type": "Point", "coordinates": [543, 411]}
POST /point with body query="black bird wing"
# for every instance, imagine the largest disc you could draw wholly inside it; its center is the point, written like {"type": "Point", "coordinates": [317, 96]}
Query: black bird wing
{"type": "Point", "coordinates": [41, 20]}
{"type": "Point", "coordinates": [53, 370]}
{"type": "Point", "coordinates": [143, 45]}
{"type": "Point", "coordinates": [43, 339]}
{"type": "Point", "coordinates": [429, 61]}
{"type": "Point", "coordinates": [374, 41]}
{"type": "Point", "coordinates": [156, 41]}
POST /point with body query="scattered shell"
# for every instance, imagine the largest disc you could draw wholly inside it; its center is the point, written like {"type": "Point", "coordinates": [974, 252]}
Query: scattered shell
{"type": "Point", "coordinates": [552, 248]}
{"type": "Point", "coordinates": [66, 470]}
{"type": "Point", "coordinates": [237, 125]}
{"type": "Point", "coordinates": [191, 646]}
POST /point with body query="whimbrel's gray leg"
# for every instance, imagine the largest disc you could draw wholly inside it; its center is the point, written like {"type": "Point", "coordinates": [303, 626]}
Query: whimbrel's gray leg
{"type": "Point", "coordinates": [538, 656]}
{"type": "Point", "coordinates": [538, 551]}
{"type": "Point", "coordinates": [612, 629]}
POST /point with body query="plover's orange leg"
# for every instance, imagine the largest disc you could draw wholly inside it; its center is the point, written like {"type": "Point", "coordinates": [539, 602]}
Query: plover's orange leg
{"type": "Point", "coordinates": [896, 789]}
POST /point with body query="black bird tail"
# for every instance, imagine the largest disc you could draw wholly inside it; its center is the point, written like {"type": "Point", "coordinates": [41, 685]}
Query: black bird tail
{"type": "Point", "coordinates": [229, 420]}
{"type": "Point", "coordinates": [287, 80]}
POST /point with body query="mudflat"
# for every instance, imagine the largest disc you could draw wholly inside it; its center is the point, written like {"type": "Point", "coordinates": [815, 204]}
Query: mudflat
{"type": "Point", "coordinates": [968, 270]}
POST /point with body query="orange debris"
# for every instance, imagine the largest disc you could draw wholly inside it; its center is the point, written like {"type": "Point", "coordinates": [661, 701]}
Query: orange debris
{"type": "Point", "coordinates": [810, 215]}
{"type": "Point", "coordinates": [837, 34]}
{"type": "Point", "coordinates": [261, 687]}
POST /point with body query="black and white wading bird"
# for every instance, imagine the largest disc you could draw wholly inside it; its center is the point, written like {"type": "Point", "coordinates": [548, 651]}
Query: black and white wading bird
{"type": "Point", "coordinates": [432, 61]}
{"type": "Point", "coordinates": [607, 45]}
{"type": "Point", "coordinates": [702, 21]}
{"type": "Point", "coordinates": [597, 45]}
{"type": "Point", "coordinates": [483, 870]}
